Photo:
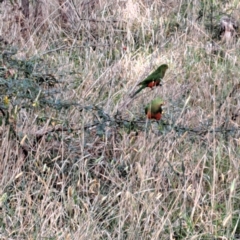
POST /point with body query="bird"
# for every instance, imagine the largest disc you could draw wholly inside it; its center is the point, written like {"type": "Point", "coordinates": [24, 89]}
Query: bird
{"type": "Point", "coordinates": [228, 29]}
{"type": "Point", "coordinates": [153, 79]}
{"type": "Point", "coordinates": [154, 109]}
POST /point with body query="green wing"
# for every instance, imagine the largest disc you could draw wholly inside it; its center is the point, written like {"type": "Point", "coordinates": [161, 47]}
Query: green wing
{"type": "Point", "coordinates": [158, 74]}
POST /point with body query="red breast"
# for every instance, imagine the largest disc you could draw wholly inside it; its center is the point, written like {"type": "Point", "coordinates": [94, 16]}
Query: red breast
{"type": "Point", "coordinates": [153, 84]}
{"type": "Point", "coordinates": [156, 116]}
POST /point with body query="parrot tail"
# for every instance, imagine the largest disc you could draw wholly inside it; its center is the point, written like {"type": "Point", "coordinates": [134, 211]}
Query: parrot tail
{"type": "Point", "coordinates": [138, 91]}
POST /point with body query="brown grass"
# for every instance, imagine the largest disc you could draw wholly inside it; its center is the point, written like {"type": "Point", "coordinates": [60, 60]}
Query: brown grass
{"type": "Point", "coordinates": [89, 165]}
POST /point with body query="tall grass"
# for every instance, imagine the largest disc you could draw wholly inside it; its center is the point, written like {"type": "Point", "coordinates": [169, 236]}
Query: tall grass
{"type": "Point", "coordinates": [79, 160]}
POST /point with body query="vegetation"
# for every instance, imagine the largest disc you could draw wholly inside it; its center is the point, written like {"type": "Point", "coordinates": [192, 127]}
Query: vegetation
{"type": "Point", "coordinates": [79, 159]}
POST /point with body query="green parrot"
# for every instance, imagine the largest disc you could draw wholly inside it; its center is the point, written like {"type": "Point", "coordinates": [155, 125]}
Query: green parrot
{"type": "Point", "coordinates": [153, 79]}
{"type": "Point", "coordinates": [154, 109]}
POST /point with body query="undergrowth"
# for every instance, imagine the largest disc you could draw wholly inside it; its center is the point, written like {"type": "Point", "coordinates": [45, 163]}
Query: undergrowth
{"type": "Point", "coordinates": [79, 160]}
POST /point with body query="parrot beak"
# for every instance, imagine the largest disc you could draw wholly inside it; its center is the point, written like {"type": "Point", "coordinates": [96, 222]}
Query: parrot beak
{"type": "Point", "coordinates": [163, 106]}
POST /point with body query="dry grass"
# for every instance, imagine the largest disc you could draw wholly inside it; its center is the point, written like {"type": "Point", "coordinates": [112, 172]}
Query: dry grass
{"type": "Point", "coordinates": [94, 168]}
